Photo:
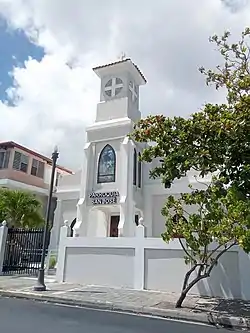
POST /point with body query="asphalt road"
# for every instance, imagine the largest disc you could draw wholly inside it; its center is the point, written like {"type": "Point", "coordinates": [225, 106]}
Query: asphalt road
{"type": "Point", "coordinates": [32, 317]}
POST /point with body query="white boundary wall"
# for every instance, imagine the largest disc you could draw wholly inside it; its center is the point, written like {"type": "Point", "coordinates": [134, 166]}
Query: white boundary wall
{"type": "Point", "coordinates": [146, 263]}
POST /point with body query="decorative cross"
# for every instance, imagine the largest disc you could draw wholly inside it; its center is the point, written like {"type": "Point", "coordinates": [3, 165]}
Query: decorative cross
{"type": "Point", "coordinates": [113, 87]}
{"type": "Point", "coordinates": [132, 88]}
{"type": "Point", "coordinates": [123, 56]}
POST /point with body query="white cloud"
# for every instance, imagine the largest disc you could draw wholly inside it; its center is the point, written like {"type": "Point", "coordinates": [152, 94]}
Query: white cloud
{"type": "Point", "coordinates": [52, 104]}
{"type": "Point", "coordinates": [235, 5]}
{"type": "Point", "coordinates": [169, 41]}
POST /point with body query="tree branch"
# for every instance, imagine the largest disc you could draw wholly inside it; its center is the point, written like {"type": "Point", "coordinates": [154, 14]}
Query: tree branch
{"type": "Point", "coordinates": [217, 248]}
{"type": "Point", "coordinates": [218, 256]}
{"type": "Point", "coordinates": [184, 211]}
{"type": "Point", "coordinates": [197, 279]}
{"type": "Point", "coordinates": [199, 182]}
{"type": "Point", "coordinates": [203, 260]}
{"type": "Point", "coordinates": [185, 250]}
{"type": "Point", "coordinates": [187, 276]}
{"type": "Point", "coordinates": [200, 270]}
{"type": "Point", "coordinates": [212, 252]}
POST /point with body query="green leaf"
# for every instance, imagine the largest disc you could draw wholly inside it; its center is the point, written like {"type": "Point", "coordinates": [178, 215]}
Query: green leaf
{"type": "Point", "coordinates": [214, 140]}
{"type": "Point", "coordinates": [20, 208]}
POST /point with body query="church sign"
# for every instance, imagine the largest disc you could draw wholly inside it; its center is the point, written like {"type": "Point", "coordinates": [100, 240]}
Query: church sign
{"type": "Point", "coordinates": [104, 198]}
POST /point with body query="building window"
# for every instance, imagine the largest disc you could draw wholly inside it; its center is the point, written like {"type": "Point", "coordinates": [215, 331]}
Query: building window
{"type": "Point", "coordinates": [139, 170]}
{"type": "Point", "coordinates": [135, 167]}
{"type": "Point", "coordinates": [20, 162]}
{"type": "Point", "coordinates": [106, 165]}
{"type": "Point", "coordinates": [113, 87]}
{"type": "Point", "coordinates": [37, 168]}
{"type": "Point", "coordinates": [4, 159]}
{"type": "Point", "coordinates": [137, 220]}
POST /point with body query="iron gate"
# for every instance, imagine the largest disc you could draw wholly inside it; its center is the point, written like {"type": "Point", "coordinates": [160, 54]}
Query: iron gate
{"type": "Point", "coordinates": [23, 251]}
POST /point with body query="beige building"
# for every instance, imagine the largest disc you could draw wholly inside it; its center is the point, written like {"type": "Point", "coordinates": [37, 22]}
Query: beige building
{"type": "Point", "coordinates": [24, 169]}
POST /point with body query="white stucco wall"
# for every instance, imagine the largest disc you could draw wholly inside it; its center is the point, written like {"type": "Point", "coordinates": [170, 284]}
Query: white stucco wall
{"type": "Point", "coordinates": [69, 209]}
{"type": "Point", "coordinates": [165, 269]}
{"type": "Point", "coordinates": [114, 109]}
{"type": "Point", "coordinates": [95, 265]}
{"type": "Point", "coordinates": [225, 279]}
{"type": "Point", "coordinates": [98, 224]}
{"type": "Point", "coordinates": [146, 263]}
{"type": "Point", "coordinates": [158, 220]}
{"type": "Point", "coordinates": [159, 267]}
{"type": "Point", "coordinates": [65, 210]}
{"type": "Point", "coordinates": [69, 181]}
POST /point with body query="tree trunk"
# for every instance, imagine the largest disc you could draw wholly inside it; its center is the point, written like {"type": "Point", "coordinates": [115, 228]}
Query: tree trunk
{"type": "Point", "coordinates": [188, 287]}
{"type": "Point", "coordinates": [181, 299]}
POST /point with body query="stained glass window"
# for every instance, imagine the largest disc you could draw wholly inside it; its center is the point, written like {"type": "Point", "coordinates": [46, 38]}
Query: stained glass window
{"type": "Point", "coordinates": [106, 165]}
{"type": "Point", "coordinates": [135, 168]}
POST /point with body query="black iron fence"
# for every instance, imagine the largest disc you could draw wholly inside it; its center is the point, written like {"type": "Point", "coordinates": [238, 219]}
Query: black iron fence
{"type": "Point", "coordinates": [23, 251]}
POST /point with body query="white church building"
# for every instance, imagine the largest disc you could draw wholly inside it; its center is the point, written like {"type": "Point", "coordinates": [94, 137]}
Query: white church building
{"type": "Point", "coordinates": [113, 190]}
{"type": "Point", "coordinates": [113, 208]}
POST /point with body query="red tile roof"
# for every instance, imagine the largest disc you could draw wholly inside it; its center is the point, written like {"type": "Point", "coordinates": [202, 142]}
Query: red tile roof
{"type": "Point", "coordinates": [119, 62]}
{"type": "Point", "coordinates": [12, 144]}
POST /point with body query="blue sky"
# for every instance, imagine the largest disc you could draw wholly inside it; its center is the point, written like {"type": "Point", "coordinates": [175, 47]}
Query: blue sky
{"type": "Point", "coordinates": [15, 48]}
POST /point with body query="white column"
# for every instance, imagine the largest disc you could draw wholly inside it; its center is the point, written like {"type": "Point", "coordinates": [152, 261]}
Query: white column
{"type": "Point", "coordinates": [86, 183]}
{"type": "Point", "coordinates": [64, 233]}
{"type": "Point", "coordinates": [139, 273]}
{"type": "Point", "coordinates": [127, 209]}
{"type": "Point", "coordinates": [81, 226]}
{"type": "Point", "coordinates": [3, 238]}
{"type": "Point", "coordinates": [55, 231]}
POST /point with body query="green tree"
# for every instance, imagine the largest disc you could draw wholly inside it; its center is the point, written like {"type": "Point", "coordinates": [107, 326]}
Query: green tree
{"type": "Point", "coordinates": [221, 220]}
{"type": "Point", "coordinates": [216, 138]}
{"type": "Point", "coordinates": [20, 209]}
{"type": "Point", "coordinates": [213, 140]}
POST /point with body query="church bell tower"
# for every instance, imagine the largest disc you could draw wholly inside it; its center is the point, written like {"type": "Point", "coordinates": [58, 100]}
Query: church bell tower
{"type": "Point", "coordinates": [119, 95]}
{"type": "Point", "coordinates": [109, 194]}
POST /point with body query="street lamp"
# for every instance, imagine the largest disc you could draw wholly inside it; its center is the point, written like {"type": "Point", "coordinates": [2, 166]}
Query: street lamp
{"type": "Point", "coordinates": [40, 286]}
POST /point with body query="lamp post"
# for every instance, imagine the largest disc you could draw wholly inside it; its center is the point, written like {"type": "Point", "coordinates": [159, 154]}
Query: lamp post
{"type": "Point", "coordinates": [40, 286]}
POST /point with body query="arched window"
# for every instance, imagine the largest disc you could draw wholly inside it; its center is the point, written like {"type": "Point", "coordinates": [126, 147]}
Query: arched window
{"type": "Point", "coordinates": [135, 167]}
{"type": "Point", "coordinates": [106, 165]}
{"type": "Point", "coordinates": [139, 170]}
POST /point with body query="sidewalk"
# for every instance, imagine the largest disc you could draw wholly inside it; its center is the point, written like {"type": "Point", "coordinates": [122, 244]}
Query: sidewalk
{"type": "Point", "coordinates": [232, 314]}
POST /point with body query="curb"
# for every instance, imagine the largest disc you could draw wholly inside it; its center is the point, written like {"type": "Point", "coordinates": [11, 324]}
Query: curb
{"type": "Point", "coordinates": [215, 319]}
